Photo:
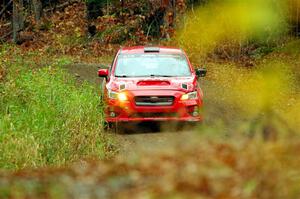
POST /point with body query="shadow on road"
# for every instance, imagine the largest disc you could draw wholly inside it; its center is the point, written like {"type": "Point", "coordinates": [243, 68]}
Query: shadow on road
{"type": "Point", "coordinates": [150, 127]}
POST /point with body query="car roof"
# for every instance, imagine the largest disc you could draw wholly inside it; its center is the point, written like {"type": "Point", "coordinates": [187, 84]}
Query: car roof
{"type": "Point", "coordinates": [141, 50]}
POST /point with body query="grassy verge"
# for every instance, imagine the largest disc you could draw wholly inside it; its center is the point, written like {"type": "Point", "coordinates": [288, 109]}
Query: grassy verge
{"type": "Point", "coordinates": [46, 118]}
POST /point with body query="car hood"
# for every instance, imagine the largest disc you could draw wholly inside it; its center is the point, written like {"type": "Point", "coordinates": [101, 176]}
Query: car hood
{"type": "Point", "coordinates": [153, 83]}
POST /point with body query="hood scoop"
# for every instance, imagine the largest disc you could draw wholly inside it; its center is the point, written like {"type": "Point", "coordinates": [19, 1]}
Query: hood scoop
{"type": "Point", "coordinates": [122, 87]}
{"type": "Point", "coordinates": [153, 83]}
{"type": "Point", "coordinates": [184, 86]}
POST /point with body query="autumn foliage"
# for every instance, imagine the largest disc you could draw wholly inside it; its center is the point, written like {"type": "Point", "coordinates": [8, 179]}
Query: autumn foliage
{"type": "Point", "coordinates": [215, 169]}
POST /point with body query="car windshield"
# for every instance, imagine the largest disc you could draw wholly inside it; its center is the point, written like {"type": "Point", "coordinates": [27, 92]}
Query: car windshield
{"type": "Point", "coordinates": [160, 65]}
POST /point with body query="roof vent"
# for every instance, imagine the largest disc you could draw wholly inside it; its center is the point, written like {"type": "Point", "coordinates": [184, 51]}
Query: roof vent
{"type": "Point", "coordinates": [151, 49]}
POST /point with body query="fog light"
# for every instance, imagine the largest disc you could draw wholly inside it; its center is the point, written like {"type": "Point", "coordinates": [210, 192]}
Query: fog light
{"type": "Point", "coordinates": [195, 113]}
{"type": "Point", "coordinates": [112, 114]}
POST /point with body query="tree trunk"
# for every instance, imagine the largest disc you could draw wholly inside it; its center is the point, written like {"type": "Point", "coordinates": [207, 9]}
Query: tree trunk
{"type": "Point", "coordinates": [18, 19]}
{"type": "Point", "coordinates": [38, 9]}
{"type": "Point", "coordinates": [122, 4]}
{"type": "Point", "coordinates": [174, 9]}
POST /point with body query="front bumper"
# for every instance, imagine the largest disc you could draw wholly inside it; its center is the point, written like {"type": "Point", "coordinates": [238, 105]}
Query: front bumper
{"type": "Point", "coordinates": [128, 111]}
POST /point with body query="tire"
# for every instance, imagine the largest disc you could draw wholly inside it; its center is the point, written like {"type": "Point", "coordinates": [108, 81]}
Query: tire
{"type": "Point", "coordinates": [114, 127]}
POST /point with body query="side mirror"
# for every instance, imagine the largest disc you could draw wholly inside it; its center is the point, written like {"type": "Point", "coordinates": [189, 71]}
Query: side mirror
{"type": "Point", "coordinates": [103, 73]}
{"type": "Point", "coordinates": [201, 72]}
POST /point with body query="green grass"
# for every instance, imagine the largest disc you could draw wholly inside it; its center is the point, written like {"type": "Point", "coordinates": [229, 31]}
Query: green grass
{"type": "Point", "coordinates": [46, 118]}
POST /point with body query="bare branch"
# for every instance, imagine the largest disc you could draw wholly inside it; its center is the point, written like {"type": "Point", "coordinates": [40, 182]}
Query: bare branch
{"type": "Point", "coordinates": [2, 39]}
{"type": "Point", "coordinates": [5, 7]}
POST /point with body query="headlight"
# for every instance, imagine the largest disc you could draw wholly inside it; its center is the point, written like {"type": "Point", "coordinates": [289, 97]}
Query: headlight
{"type": "Point", "coordinates": [188, 96]}
{"type": "Point", "coordinates": [118, 96]}
{"type": "Point", "coordinates": [122, 97]}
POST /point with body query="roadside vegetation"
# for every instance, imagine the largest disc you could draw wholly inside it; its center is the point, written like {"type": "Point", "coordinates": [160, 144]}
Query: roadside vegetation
{"type": "Point", "coordinates": [46, 118]}
{"type": "Point", "coordinates": [214, 169]}
{"type": "Point", "coordinates": [253, 72]}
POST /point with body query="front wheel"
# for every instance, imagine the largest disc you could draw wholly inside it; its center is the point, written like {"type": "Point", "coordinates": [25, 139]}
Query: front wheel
{"type": "Point", "coordinates": [112, 127]}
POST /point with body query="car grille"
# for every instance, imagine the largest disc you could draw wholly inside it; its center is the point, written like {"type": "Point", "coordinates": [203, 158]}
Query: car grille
{"type": "Point", "coordinates": [154, 100]}
{"type": "Point", "coordinates": [154, 114]}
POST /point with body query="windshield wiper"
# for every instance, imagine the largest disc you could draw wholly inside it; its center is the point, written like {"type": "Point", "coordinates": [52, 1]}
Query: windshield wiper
{"type": "Point", "coordinates": [161, 75]}
{"type": "Point", "coordinates": [122, 76]}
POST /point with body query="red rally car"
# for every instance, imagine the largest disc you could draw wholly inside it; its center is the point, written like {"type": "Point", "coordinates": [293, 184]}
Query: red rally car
{"type": "Point", "coordinates": [152, 84]}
